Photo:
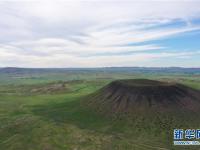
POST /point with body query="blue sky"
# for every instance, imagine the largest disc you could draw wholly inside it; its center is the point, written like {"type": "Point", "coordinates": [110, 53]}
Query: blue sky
{"type": "Point", "coordinates": [96, 33]}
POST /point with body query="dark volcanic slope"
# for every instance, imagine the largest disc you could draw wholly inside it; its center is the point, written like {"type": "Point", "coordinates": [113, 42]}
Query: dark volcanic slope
{"type": "Point", "coordinates": [140, 95]}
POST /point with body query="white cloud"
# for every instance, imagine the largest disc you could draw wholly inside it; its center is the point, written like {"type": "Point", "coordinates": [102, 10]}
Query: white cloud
{"type": "Point", "coordinates": [91, 33]}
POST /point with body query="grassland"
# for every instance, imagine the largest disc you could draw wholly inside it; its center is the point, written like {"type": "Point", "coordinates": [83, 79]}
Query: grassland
{"type": "Point", "coordinates": [57, 120]}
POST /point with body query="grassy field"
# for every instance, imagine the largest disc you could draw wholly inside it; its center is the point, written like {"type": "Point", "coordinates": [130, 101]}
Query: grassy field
{"type": "Point", "coordinates": [31, 119]}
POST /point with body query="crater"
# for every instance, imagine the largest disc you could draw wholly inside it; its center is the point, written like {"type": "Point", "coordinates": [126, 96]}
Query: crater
{"type": "Point", "coordinates": [143, 95]}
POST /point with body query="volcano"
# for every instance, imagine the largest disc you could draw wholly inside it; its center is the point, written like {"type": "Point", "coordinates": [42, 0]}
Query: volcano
{"type": "Point", "coordinates": [143, 95]}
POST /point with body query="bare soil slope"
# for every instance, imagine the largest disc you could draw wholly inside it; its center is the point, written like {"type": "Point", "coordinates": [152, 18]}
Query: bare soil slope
{"type": "Point", "coordinates": [142, 95]}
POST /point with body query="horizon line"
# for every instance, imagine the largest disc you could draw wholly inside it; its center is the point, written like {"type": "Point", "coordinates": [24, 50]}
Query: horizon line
{"type": "Point", "coordinates": [99, 67]}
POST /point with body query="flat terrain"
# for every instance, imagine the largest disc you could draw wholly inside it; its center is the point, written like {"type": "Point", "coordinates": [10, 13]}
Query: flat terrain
{"type": "Point", "coordinates": [44, 111]}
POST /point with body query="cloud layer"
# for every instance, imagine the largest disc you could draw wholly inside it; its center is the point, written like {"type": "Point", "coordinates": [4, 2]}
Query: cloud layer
{"type": "Point", "coordinates": [97, 33]}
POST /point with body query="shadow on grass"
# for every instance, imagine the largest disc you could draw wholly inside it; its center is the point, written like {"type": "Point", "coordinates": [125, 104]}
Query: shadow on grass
{"type": "Point", "coordinates": [71, 112]}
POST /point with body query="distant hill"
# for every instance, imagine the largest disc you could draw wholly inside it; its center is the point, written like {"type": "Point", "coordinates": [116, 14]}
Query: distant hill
{"type": "Point", "coordinates": [15, 70]}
